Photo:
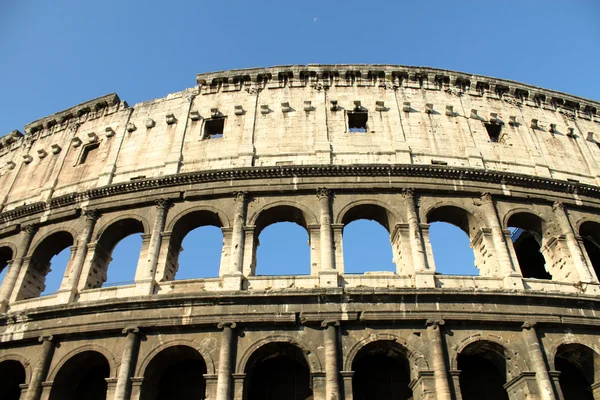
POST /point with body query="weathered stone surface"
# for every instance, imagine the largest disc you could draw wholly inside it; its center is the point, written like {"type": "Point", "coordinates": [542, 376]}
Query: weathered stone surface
{"type": "Point", "coordinates": [248, 148]}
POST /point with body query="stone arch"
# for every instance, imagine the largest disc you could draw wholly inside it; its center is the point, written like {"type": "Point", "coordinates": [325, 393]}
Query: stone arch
{"type": "Point", "coordinates": [579, 367]}
{"type": "Point", "coordinates": [308, 217]}
{"type": "Point", "coordinates": [82, 375]}
{"type": "Point", "coordinates": [456, 214]}
{"type": "Point", "coordinates": [25, 363]}
{"type": "Point", "coordinates": [514, 364]}
{"type": "Point", "coordinates": [10, 246]}
{"type": "Point", "coordinates": [106, 224]}
{"type": "Point", "coordinates": [284, 211]}
{"type": "Point", "coordinates": [183, 223]}
{"type": "Point", "coordinates": [589, 232]}
{"type": "Point", "coordinates": [311, 358]}
{"type": "Point", "coordinates": [221, 215]}
{"type": "Point", "coordinates": [530, 242]}
{"type": "Point", "coordinates": [518, 210]}
{"type": "Point", "coordinates": [108, 236]}
{"type": "Point", "coordinates": [33, 282]}
{"type": "Point", "coordinates": [110, 358]}
{"type": "Point", "coordinates": [202, 349]}
{"type": "Point", "coordinates": [7, 254]}
{"type": "Point", "coordinates": [418, 362]}
{"type": "Point", "coordinates": [467, 220]}
{"type": "Point", "coordinates": [178, 370]}
{"type": "Point", "coordinates": [372, 209]}
{"type": "Point", "coordinates": [37, 240]}
{"type": "Point", "coordinates": [568, 340]}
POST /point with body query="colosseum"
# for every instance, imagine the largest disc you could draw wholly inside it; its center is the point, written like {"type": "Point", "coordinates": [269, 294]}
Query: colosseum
{"type": "Point", "coordinates": [516, 167]}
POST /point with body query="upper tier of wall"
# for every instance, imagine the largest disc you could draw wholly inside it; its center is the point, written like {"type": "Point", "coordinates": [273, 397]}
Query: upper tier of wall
{"type": "Point", "coordinates": [298, 115]}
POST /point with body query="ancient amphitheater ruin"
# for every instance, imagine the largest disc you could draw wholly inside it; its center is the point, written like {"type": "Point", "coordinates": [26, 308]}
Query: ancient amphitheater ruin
{"type": "Point", "coordinates": [516, 167]}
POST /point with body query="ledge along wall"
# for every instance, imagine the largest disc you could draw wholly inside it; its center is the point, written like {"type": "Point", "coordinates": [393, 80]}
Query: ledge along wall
{"type": "Point", "coordinates": [321, 146]}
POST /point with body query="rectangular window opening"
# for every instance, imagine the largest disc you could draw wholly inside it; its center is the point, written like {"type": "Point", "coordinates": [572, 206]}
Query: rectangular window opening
{"type": "Point", "coordinates": [493, 131]}
{"type": "Point", "coordinates": [213, 128]}
{"type": "Point", "coordinates": [357, 121]}
{"type": "Point", "coordinates": [89, 152]}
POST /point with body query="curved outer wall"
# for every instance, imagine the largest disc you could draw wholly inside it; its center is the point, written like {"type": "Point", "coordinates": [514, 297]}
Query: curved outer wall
{"type": "Point", "coordinates": [429, 152]}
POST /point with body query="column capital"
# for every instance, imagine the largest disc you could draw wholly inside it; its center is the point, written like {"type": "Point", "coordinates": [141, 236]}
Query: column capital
{"type": "Point", "coordinates": [45, 338]}
{"type": "Point", "coordinates": [30, 229]}
{"type": "Point", "coordinates": [435, 323]}
{"type": "Point", "coordinates": [408, 193]}
{"type": "Point", "coordinates": [323, 192]}
{"type": "Point", "coordinates": [486, 197]}
{"type": "Point", "coordinates": [163, 203]}
{"type": "Point", "coordinates": [529, 325]}
{"type": "Point", "coordinates": [91, 214]}
{"type": "Point", "coordinates": [130, 329]}
{"type": "Point", "coordinates": [241, 195]}
{"type": "Point", "coordinates": [558, 205]}
{"type": "Point", "coordinates": [228, 324]}
{"type": "Point", "coordinates": [328, 323]}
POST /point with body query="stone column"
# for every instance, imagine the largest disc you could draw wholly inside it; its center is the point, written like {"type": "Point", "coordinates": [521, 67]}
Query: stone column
{"type": "Point", "coordinates": [327, 270]}
{"type": "Point", "coordinates": [236, 255]}
{"type": "Point", "coordinates": [332, 389]}
{"type": "Point", "coordinates": [347, 378]}
{"type": "Point", "coordinates": [238, 386]}
{"type": "Point", "coordinates": [508, 265]}
{"type": "Point", "coordinates": [41, 368]}
{"type": "Point", "coordinates": [537, 361]}
{"type": "Point", "coordinates": [8, 285]}
{"type": "Point", "coordinates": [326, 235]}
{"type": "Point", "coordinates": [146, 285]}
{"type": "Point", "coordinates": [436, 344]}
{"type": "Point", "coordinates": [583, 271]}
{"type": "Point", "coordinates": [224, 374]}
{"type": "Point", "coordinates": [416, 242]}
{"type": "Point", "coordinates": [128, 359]}
{"type": "Point", "coordinates": [67, 294]}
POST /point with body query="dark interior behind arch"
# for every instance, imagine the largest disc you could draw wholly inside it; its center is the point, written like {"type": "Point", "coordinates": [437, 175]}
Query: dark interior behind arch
{"type": "Point", "coordinates": [278, 371]}
{"type": "Point", "coordinates": [590, 234]}
{"type": "Point", "coordinates": [527, 241]}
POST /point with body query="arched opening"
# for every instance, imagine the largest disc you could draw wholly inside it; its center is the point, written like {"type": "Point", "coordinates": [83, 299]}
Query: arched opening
{"type": "Point", "coordinates": [6, 255]}
{"type": "Point", "coordinates": [195, 247]}
{"type": "Point", "coordinates": [579, 368]}
{"type": "Point", "coordinates": [366, 240]}
{"type": "Point", "coordinates": [12, 374]}
{"type": "Point", "coordinates": [278, 371]}
{"type": "Point", "coordinates": [590, 233]}
{"type": "Point", "coordinates": [381, 372]}
{"type": "Point", "coordinates": [526, 237]}
{"type": "Point", "coordinates": [282, 242]}
{"type": "Point", "coordinates": [176, 373]}
{"type": "Point", "coordinates": [482, 366]}
{"type": "Point", "coordinates": [450, 232]}
{"type": "Point", "coordinates": [123, 234]}
{"type": "Point", "coordinates": [43, 261]}
{"type": "Point", "coordinates": [82, 377]}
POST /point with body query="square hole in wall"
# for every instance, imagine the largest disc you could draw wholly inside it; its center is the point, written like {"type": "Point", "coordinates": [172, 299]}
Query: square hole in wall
{"type": "Point", "coordinates": [213, 128]}
{"type": "Point", "coordinates": [493, 131]}
{"type": "Point", "coordinates": [357, 121]}
{"type": "Point", "coordinates": [88, 153]}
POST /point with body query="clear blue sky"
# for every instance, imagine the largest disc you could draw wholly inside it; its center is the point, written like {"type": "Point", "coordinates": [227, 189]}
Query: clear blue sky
{"type": "Point", "coordinates": [56, 54]}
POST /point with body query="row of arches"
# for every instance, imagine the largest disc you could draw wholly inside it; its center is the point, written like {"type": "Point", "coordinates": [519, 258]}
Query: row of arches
{"type": "Point", "coordinates": [369, 229]}
{"type": "Point", "coordinates": [281, 370]}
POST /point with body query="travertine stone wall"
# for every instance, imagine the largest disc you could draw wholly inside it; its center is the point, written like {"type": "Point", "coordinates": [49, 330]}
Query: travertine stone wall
{"type": "Point", "coordinates": [297, 115]}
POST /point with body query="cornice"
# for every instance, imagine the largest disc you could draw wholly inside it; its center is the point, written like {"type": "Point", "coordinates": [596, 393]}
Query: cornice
{"type": "Point", "coordinates": [392, 77]}
{"type": "Point", "coordinates": [399, 170]}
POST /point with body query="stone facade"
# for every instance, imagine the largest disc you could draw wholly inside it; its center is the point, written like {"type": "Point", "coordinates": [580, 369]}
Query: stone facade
{"type": "Point", "coordinates": [321, 146]}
